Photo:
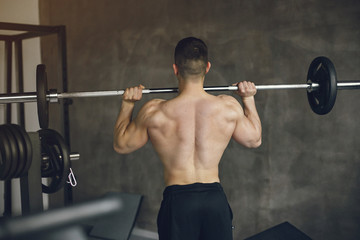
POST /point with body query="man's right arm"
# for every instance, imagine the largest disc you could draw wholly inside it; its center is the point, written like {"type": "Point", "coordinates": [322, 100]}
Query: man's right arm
{"type": "Point", "coordinates": [248, 125]}
{"type": "Point", "coordinates": [130, 134]}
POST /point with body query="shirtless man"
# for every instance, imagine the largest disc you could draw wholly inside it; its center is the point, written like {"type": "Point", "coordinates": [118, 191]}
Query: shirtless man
{"type": "Point", "coordinates": [190, 133]}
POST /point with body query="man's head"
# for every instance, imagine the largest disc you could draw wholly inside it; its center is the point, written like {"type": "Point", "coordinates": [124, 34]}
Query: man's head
{"type": "Point", "coordinates": [191, 57]}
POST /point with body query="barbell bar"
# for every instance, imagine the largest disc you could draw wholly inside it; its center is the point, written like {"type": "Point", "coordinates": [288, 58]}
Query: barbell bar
{"type": "Point", "coordinates": [53, 96]}
{"type": "Point", "coordinates": [309, 86]}
{"type": "Point", "coordinates": [321, 86]}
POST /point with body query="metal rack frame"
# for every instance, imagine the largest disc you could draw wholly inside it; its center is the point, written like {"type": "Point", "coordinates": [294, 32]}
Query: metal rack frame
{"type": "Point", "coordinates": [27, 31]}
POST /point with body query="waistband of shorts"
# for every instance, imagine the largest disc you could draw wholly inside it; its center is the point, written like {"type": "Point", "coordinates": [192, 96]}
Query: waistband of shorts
{"type": "Point", "coordinates": [194, 187]}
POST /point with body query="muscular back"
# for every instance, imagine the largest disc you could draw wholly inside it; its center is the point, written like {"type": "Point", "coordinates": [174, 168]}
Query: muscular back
{"type": "Point", "coordinates": [190, 134]}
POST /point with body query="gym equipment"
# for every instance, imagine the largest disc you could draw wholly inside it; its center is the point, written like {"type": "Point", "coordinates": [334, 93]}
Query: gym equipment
{"type": "Point", "coordinates": [44, 224]}
{"type": "Point", "coordinates": [27, 148]}
{"type": "Point", "coordinates": [321, 86]}
{"type": "Point", "coordinates": [16, 151]}
{"type": "Point", "coordinates": [284, 230]}
{"type": "Point", "coordinates": [5, 163]}
{"type": "Point", "coordinates": [54, 145]}
{"type": "Point", "coordinates": [322, 72]}
{"type": "Point", "coordinates": [16, 155]}
{"type": "Point", "coordinates": [41, 90]}
{"type": "Point", "coordinates": [120, 225]}
{"type": "Point", "coordinates": [20, 147]}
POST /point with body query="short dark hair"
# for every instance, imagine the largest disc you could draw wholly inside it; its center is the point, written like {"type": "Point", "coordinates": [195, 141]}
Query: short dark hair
{"type": "Point", "coordinates": [191, 57]}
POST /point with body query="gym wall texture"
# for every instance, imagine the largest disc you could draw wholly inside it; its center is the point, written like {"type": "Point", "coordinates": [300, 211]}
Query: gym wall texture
{"type": "Point", "coordinates": [307, 170]}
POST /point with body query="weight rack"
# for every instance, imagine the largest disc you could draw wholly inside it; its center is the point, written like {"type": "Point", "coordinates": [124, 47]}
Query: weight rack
{"type": "Point", "coordinates": [27, 31]}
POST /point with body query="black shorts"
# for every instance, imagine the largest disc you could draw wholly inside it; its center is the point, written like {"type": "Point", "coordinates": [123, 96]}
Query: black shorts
{"type": "Point", "coordinates": [194, 212]}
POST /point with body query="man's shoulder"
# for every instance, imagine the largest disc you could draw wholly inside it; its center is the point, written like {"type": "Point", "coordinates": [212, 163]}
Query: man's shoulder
{"type": "Point", "coordinates": [152, 105]}
{"type": "Point", "coordinates": [151, 112]}
{"type": "Point", "coordinates": [228, 99]}
{"type": "Point", "coordinates": [154, 102]}
{"type": "Point", "coordinates": [230, 104]}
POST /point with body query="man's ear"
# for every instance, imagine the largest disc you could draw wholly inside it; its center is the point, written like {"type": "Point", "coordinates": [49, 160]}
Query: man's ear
{"type": "Point", "coordinates": [208, 66]}
{"type": "Point", "coordinates": [176, 70]}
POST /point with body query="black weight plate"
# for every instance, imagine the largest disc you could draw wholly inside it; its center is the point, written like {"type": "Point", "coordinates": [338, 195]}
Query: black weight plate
{"type": "Point", "coordinates": [6, 155]}
{"type": "Point", "coordinates": [14, 151]}
{"type": "Point", "coordinates": [2, 160]}
{"type": "Point", "coordinates": [21, 150]}
{"type": "Point", "coordinates": [27, 148]}
{"type": "Point", "coordinates": [50, 139]}
{"type": "Point", "coordinates": [322, 71]}
{"type": "Point", "coordinates": [41, 91]}
{"type": "Point", "coordinates": [53, 166]}
{"type": "Point", "coordinates": [5, 162]}
{"type": "Point", "coordinates": [1, 165]}
{"type": "Point", "coordinates": [57, 167]}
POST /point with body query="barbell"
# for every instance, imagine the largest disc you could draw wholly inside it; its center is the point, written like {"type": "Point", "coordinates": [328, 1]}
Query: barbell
{"type": "Point", "coordinates": [321, 86]}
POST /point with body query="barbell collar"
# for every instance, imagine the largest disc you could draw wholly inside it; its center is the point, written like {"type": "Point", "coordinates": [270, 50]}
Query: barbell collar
{"type": "Point", "coordinates": [52, 96]}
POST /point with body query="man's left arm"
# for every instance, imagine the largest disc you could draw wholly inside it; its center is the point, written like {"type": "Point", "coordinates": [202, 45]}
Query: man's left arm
{"type": "Point", "coordinates": [130, 135]}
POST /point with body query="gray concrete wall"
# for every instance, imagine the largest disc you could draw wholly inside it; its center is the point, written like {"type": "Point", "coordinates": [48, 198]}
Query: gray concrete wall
{"type": "Point", "coordinates": [307, 169]}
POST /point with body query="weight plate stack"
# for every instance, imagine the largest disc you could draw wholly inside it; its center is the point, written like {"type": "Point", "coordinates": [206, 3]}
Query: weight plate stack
{"type": "Point", "coordinates": [16, 151]}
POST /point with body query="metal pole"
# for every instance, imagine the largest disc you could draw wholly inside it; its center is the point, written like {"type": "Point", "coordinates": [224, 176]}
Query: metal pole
{"type": "Point", "coordinates": [173, 90]}
{"type": "Point", "coordinates": [287, 86]}
{"type": "Point", "coordinates": [348, 85]}
{"type": "Point", "coordinates": [8, 76]}
{"type": "Point", "coordinates": [20, 78]}
{"type": "Point", "coordinates": [53, 96]}
{"type": "Point", "coordinates": [18, 97]}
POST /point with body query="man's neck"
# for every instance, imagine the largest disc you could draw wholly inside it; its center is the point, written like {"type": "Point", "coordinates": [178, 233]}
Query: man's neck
{"type": "Point", "coordinates": [191, 86]}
